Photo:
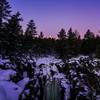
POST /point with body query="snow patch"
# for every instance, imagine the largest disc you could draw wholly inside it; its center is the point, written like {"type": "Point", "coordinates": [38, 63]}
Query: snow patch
{"type": "Point", "coordinates": [6, 74]}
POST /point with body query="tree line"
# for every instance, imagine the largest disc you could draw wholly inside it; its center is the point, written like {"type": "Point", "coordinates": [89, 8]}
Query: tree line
{"type": "Point", "coordinates": [13, 40]}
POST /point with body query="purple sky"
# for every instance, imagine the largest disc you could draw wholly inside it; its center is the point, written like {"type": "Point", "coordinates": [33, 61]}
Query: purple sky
{"type": "Point", "coordinates": [52, 15]}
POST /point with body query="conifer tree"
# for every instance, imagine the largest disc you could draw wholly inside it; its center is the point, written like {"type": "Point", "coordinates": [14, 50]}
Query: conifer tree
{"type": "Point", "coordinates": [71, 35]}
{"type": "Point", "coordinates": [88, 43]}
{"type": "Point", "coordinates": [41, 35]}
{"type": "Point", "coordinates": [14, 31]}
{"type": "Point", "coordinates": [62, 34]}
{"type": "Point", "coordinates": [4, 10]}
{"type": "Point", "coordinates": [89, 35]}
{"type": "Point", "coordinates": [31, 29]}
{"type": "Point", "coordinates": [13, 25]}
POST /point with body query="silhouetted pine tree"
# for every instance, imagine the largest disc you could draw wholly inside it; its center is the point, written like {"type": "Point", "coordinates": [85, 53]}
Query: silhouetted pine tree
{"type": "Point", "coordinates": [61, 43]}
{"type": "Point", "coordinates": [97, 52]}
{"type": "Point", "coordinates": [30, 35]}
{"type": "Point", "coordinates": [97, 39]}
{"type": "Point", "coordinates": [14, 31]}
{"type": "Point", "coordinates": [4, 10]}
{"type": "Point", "coordinates": [4, 15]}
{"type": "Point", "coordinates": [31, 29]}
{"type": "Point", "coordinates": [89, 35]}
{"type": "Point", "coordinates": [88, 43]}
{"type": "Point", "coordinates": [72, 35]}
{"type": "Point", "coordinates": [41, 35]}
{"type": "Point", "coordinates": [72, 43]}
{"type": "Point", "coordinates": [62, 34]}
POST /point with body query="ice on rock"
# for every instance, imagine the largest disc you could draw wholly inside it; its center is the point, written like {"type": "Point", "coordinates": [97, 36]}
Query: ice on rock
{"type": "Point", "coordinates": [46, 70]}
{"type": "Point", "coordinates": [59, 76]}
{"type": "Point", "coordinates": [54, 68]}
{"type": "Point", "coordinates": [25, 74]}
{"type": "Point", "coordinates": [66, 86]}
{"type": "Point", "coordinates": [23, 82]}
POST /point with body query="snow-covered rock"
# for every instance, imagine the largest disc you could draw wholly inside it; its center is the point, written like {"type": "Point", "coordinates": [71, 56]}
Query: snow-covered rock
{"type": "Point", "coordinates": [23, 82]}
{"type": "Point", "coordinates": [9, 91]}
{"type": "Point", "coordinates": [6, 74]}
{"type": "Point", "coordinates": [47, 60]}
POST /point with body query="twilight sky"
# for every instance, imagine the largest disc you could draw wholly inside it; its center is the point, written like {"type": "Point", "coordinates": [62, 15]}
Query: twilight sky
{"type": "Point", "coordinates": [52, 15]}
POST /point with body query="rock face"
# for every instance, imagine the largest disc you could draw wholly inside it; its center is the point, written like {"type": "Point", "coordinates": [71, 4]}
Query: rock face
{"type": "Point", "coordinates": [49, 78]}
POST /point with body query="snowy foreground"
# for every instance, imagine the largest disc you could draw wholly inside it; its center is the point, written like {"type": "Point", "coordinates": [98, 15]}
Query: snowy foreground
{"type": "Point", "coordinates": [49, 78]}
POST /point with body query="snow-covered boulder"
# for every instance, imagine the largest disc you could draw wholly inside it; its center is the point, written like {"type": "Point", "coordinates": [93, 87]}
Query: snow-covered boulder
{"type": "Point", "coordinates": [9, 91]}
{"type": "Point", "coordinates": [6, 74]}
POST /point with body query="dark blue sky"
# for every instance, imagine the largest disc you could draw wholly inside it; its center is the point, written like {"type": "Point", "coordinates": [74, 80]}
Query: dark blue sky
{"type": "Point", "coordinates": [52, 15]}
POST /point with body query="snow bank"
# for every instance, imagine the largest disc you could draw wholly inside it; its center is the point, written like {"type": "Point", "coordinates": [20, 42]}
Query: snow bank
{"type": "Point", "coordinates": [9, 91]}
{"type": "Point", "coordinates": [47, 60]}
{"type": "Point", "coordinates": [6, 74]}
{"type": "Point", "coordinates": [23, 82]}
{"type": "Point", "coordinates": [4, 61]}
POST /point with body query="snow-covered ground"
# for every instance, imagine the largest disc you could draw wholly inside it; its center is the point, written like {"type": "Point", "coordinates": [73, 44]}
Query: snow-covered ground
{"type": "Point", "coordinates": [78, 78]}
{"type": "Point", "coordinates": [6, 74]}
{"type": "Point", "coordinates": [9, 90]}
